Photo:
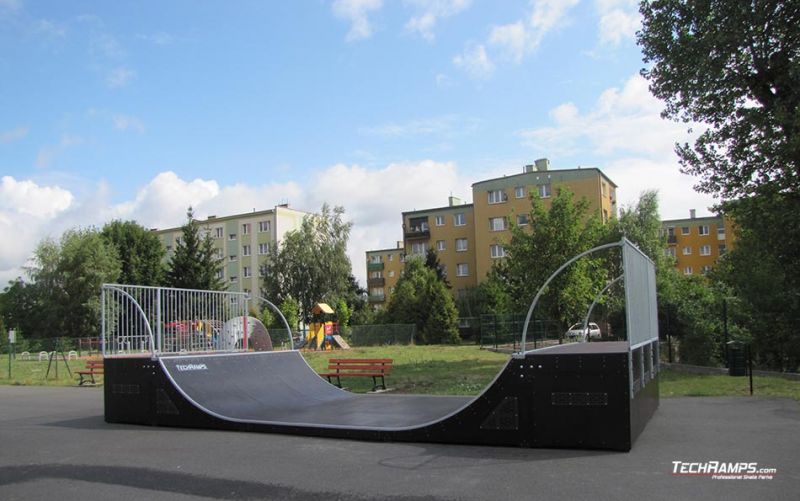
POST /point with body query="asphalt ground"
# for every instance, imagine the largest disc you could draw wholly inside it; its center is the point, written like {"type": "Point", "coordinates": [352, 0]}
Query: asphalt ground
{"type": "Point", "coordinates": [55, 445]}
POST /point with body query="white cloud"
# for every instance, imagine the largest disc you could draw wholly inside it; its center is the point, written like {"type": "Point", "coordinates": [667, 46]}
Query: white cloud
{"type": "Point", "coordinates": [513, 38]}
{"type": "Point", "coordinates": [356, 11]}
{"type": "Point", "coordinates": [619, 20]}
{"type": "Point", "coordinates": [430, 11]}
{"type": "Point", "coordinates": [160, 38]}
{"type": "Point", "coordinates": [633, 144]}
{"type": "Point", "coordinates": [522, 37]}
{"type": "Point", "coordinates": [27, 211]}
{"type": "Point", "coordinates": [48, 154]}
{"type": "Point", "coordinates": [10, 5]}
{"type": "Point", "coordinates": [9, 136]}
{"type": "Point", "coordinates": [380, 198]}
{"type": "Point", "coordinates": [120, 77]}
{"type": "Point", "coordinates": [475, 61]}
{"type": "Point", "coordinates": [446, 125]}
{"type": "Point", "coordinates": [126, 122]}
{"type": "Point", "coordinates": [50, 28]}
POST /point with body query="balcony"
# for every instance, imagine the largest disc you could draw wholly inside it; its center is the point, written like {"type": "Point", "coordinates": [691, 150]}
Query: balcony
{"type": "Point", "coordinates": [377, 298]}
{"type": "Point", "coordinates": [417, 233]}
{"type": "Point", "coordinates": [374, 266]}
{"type": "Point", "coordinates": [376, 282]}
{"type": "Point", "coordinates": [672, 239]}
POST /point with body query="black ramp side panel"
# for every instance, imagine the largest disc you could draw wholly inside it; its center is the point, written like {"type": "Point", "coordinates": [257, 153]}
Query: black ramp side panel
{"type": "Point", "coordinates": [280, 388]}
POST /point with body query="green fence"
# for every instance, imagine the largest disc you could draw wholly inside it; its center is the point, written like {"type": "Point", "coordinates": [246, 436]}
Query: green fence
{"type": "Point", "coordinates": [505, 331]}
{"type": "Point", "coordinates": [376, 335]}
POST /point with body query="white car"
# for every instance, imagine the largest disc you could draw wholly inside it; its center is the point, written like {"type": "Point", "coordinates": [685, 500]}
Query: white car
{"type": "Point", "coordinates": [578, 332]}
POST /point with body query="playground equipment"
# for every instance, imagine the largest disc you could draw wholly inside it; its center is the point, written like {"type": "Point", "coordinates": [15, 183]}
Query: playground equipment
{"type": "Point", "coordinates": [323, 334]}
{"type": "Point", "coordinates": [596, 395]}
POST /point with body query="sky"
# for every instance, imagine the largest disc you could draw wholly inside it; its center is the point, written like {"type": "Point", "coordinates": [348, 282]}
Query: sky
{"type": "Point", "coordinates": [137, 110]}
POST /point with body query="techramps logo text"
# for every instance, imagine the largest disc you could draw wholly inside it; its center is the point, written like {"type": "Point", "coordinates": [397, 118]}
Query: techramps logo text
{"type": "Point", "coordinates": [721, 470]}
{"type": "Point", "coordinates": [191, 367]}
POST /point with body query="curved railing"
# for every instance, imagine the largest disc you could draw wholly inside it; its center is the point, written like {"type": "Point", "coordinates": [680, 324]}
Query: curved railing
{"type": "Point", "coordinates": [596, 299]}
{"type": "Point", "coordinates": [141, 311]}
{"type": "Point", "coordinates": [280, 314]}
{"type": "Point", "coordinates": [521, 353]}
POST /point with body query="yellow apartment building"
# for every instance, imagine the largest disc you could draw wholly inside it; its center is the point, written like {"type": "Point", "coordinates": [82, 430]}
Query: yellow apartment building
{"type": "Point", "coordinates": [469, 238]}
{"type": "Point", "coordinates": [697, 242]}
{"type": "Point", "coordinates": [383, 270]}
{"type": "Point", "coordinates": [242, 242]}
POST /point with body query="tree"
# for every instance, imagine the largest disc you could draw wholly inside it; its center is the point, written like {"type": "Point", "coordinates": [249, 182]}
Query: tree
{"type": "Point", "coordinates": [535, 251]}
{"type": "Point", "coordinates": [432, 262]}
{"type": "Point", "coordinates": [140, 252]}
{"type": "Point", "coordinates": [735, 67]}
{"type": "Point", "coordinates": [311, 265]}
{"type": "Point", "coordinates": [422, 299]}
{"type": "Point", "coordinates": [67, 277]}
{"type": "Point", "coordinates": [194, 264]}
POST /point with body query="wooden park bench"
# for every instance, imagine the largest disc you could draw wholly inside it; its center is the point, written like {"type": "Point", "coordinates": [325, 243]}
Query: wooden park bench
{"type": "Point", "coordinates": [359, 367]}
{"type": "Point", "coordinates": [93, 367]}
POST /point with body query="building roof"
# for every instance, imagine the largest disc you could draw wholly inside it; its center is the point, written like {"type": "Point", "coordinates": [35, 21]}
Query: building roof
{"type": "Point", "coordinates": [215, 219]}
{"type": "Point", "coordinates": [564, 174]}
{"type": "Point", "coordinates": [435, 209]}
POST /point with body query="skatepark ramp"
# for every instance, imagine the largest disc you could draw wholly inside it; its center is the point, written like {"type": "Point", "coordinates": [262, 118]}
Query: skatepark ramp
{"type": "Point", "coordinates": [583, 395]}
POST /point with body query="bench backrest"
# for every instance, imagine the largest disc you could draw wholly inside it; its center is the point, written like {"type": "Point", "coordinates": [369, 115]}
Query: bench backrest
{"type": "Point", "coordinates": [356, 365]}
{"type": "Point", "coordinates": [94, 364]}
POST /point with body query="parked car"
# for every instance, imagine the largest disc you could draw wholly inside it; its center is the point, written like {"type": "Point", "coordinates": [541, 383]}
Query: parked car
{"type": "Point", "coordinates": [578, 332]}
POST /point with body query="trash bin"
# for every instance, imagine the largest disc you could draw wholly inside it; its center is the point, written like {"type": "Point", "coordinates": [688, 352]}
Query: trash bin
{"type": "Point", "coordinates": [737, 361]}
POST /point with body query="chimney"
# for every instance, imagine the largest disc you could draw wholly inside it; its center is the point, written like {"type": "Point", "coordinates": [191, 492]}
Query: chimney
{"type": "Point", "coordinates": [453, 201]}
{"type": "Point", "coordinates": [528, 168]}
{"type": "Point", "coordinates": [542, 164]}
{"type": "Point", "coordinates": [692, 213]}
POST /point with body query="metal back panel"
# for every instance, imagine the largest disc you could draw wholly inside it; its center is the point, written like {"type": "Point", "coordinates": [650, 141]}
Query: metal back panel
{"type": "Point", "coordinates": [640, 296]}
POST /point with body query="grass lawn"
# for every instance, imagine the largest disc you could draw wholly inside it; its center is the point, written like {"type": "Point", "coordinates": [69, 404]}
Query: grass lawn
{"type": "Point", "coordinates": [432, 370]}
{"type": "Point", "coordinates": [681, 384]}
{"type": "Point", "coordinates": [32, 372]}
{"type": "Point", "coordinates": [442, 370]}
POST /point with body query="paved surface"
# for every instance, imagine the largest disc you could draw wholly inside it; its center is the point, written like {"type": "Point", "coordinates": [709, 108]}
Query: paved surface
{"type": "Point", "coordinates": [54, 444]}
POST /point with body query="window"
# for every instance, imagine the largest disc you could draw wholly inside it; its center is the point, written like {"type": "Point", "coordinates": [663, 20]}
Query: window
{"type": "Point", "coordinates": [440, 245]}
{"type": "Point", "coordinates": [720, 232]}
{"type": "Point", "coordinates": [722, 249]}
{"type": "Point", "coordinates": [462, 270]}
{"type": "Point", "coordinates": [169, 248]}
{"type": "Point", "coordinates": [439, 220]}
{"type": "Point", "coordinates": [461, 244]}
{"type": "Point", "coordinates": [232, 236]}
{"type": "Point", "coordinates": [497, 223]}
{"type": "Point", "coordinates": [220, 254]}
{"type": "Point", "coordinates": [245, 250]}
{"type": "Point", "coordinates": [519, 192]}
{"type": "Point", "coordinates": [217, 232]}
{"type": "Point", "coordinates": [376, 274]}
{"type": "Point", "coordinates": [497, 251]}
{"type": "Point", "coordinates": [232, 258]}
{"type": "Point", "coordinates": [684, 230]}
{"type": "Point", "coordinates": [263, 249]}
{"type": "Point", "coordinates": [418, 248]}
{"type": "Point", "coordinates": [234, 279]}
{"type": "Point", "coordinates": [260, 271]}
{"type": "Point", "coordinates": [220, 274]}
{"type": "Point", "coordinates": [459, 219]}
{"type": "Point", "coordinates": [444, 270]}
{"type": "Point", "coordinates": [669, 252]}
{"type": "Point", "coordinates": [497, 196]}
{"type": "Point", "coordinates": [705, 250]}
{"type": "Point", "coordinates": [247, 272]}
{"type": "Point", "coordinates": [376, 259]}
{"type": "Point", "coordinates": [246, 229]}
{"type": "Point", "coordinates": [687, 251]}
{"type": "Point", "coordinates": [522, 219]}
{"type": "Point", "coordinates": [670, 231]}
{"type": "Point", "coordinates": [545, 190]}
{"type": "Point", "coordinates": [687, 270]}
{"type": "Point", "coordinates": [703, 230]}
{"type": "Point", "coordinates": [177, 240]}
{"type": "Point", "coordinates": [706, 269]}
{"type": "Point", "coordinates": [263, 226]}
{"type": "Point", "coordinates": [391, 274]}
{"type": "Point", "coordinates": [391, 257]}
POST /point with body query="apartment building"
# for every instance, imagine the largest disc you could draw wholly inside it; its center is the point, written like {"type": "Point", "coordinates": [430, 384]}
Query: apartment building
{"type": "Point", "coordinates": [697, 242]}
{"type": "Point", "coordinates": [469, 238]}
{"type": "Point", "coordinates": [383, 271]}
{"type": "Point", "coordinates": [243, 241]}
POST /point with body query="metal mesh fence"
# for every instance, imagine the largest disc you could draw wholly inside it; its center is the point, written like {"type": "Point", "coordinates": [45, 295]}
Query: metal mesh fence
{"type": "Point", "coordinates": [505, 331]}
{"type": "Point", "coordinates": [375, 335]}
